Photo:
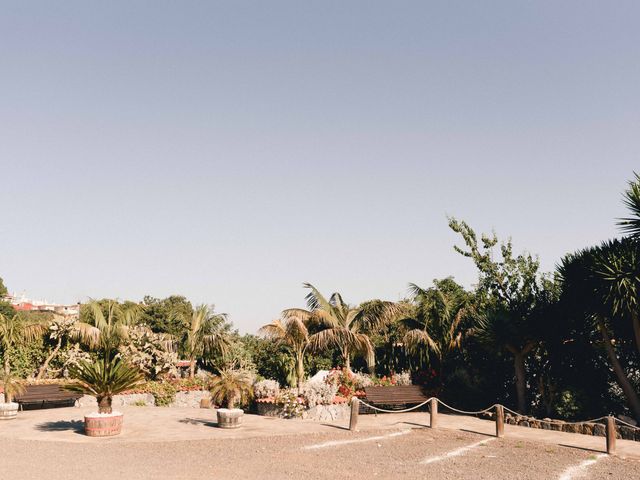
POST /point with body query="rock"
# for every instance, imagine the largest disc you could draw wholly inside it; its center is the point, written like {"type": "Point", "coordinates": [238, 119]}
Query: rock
{"type": "Point", "coordinates": [572, 428]}
{"type": "Point", "coordinates": [134, 399]}
{"type": "Point", "coordinates": [587, 428]}
{"type": "Point", "coordinates": [557, 425]}
{"type": "Point", "coordinates": [628, 420]}
{"type": "Point", "coordinates": [599, 430]}
{"type": "Point", "coordinates": [627, 433]}
{"type": "Point", "coordinates": [535, 423]}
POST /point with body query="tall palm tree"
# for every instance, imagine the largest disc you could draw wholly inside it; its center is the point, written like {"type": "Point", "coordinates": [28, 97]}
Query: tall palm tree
{"type": "Point", "coordinates": [292, 332]}
{"type": "Point", "coordinates": [631, 225]}
{"type": "Point", "coordinates": [588, 292]}
{"type": "Point", "coordinates": [105, 327]}
{"type": "Point", "coordinates": [435, 322]}
{"type": "Point", "coordinates": [14, 331]}
{"type": "Point", "coordinates": [343, 326]}
{"type": "Point", "coordinates": [204, 335]}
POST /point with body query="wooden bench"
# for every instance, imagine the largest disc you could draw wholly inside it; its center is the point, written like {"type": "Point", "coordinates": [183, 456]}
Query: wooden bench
{"type": "Point", "coordinates": [46, 396]}
{"type": "Point", "coordinates": [394, 398]}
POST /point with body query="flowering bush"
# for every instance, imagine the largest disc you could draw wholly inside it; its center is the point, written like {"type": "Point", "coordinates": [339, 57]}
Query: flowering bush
{"type": "Point", "coordinates": [362, 380]}
{"type": "Point", "coordinates": [319, 393]}
{"type": "Point", "coordinates": [292, 405]}
{"type": "Point", "coordinates": [343, 380]}
{"type": "Point", "coordinates": [266, 389]}
{"type": "Point", "coordinates": [403, 378]}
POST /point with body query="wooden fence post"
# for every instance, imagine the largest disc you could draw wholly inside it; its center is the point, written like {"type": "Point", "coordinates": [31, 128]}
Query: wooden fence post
{"type": "Point", "coordinates": [433, 408]}
{"type": "Point", "coordinates": [611, 435]}
{"type": "Point", "coordinates": [499, 421]}
{"type": "Point", "coordinates": [355, 408]}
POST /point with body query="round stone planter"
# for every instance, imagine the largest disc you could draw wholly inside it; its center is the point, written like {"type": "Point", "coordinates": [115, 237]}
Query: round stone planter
{"type": "Point", "coordinates": [229, 418]}
{"type": "Point", "coordinates": [103, 425]}
{"type": "Point", "coordinates": [8, 411]}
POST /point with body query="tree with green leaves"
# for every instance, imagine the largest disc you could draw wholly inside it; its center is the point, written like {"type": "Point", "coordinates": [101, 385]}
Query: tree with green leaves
{"type": "Point", "coordinates": [14, 331]}
{"type": "Point", "coordinates": [510, 291]}
{"type": "Point", "coordinates": [166, 315]}
{"type": "Point", "coordinates": [292, 332]}
{"type": "Point", "coordinates": [105, 327]}
{"type": "Point", "coordinates": [3, 289]}
{"type": "Point", "coordinates": [342, 326]}
{"type": "Point", "coordinates": [631, 225]}
{"type": "Point", "coordinates": [588, 294]}
{"type": "Point", "coordinates": [205, 334]}
{"type": "Point", "coordinates": [435, 324]}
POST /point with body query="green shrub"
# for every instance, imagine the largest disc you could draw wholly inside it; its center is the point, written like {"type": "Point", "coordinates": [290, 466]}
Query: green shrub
{"type": "Point", "coordinates": [164, 393]}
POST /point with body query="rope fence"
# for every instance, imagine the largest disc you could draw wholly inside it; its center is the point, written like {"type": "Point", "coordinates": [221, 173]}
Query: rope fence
{"type": "Point", "coordinates": [610, 432]}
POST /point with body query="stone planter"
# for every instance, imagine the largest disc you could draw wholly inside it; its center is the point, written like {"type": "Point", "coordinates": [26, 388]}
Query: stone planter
{"type": "Point", "coordinates": [103, 425]}
{"type": "Point", "coordinates": [229, 418]}
{"type": "Point", "coordinates": [8, 411]}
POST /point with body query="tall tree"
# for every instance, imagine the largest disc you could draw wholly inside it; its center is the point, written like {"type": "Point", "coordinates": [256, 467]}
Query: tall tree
{"type": "Point", "coordinates": [204, 335]}
{"type": "Point", "coordinates": [631, 224]}
{"type": "Point", "coordinates": [510, 289]}
{"type": "Point", "coordinates": [15, 330]}
{"type": "Point", "coordinates": [293, 333]}
{"type": "Point", "coordinates": [435, 325]}
{"type": "Point", "coordinates": [343, 326]}
{"type": "Point", "coordinates": [588, 293]}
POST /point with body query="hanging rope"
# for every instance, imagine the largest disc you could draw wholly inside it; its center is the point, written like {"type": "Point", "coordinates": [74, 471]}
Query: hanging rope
{"type": "Point", "coordinates": [627, 424]}
{"type": "Point", "coordinates": [464, 411]}
{"type": "Point", "coordinates": [396, 411]}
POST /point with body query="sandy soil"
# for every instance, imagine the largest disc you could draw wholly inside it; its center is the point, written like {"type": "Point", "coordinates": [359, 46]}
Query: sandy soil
{"type": "Point", "coordinates": [391, 456]}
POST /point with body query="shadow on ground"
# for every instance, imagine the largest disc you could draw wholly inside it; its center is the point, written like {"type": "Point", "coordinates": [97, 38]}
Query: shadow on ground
{"type": "Point", "coordinates": [198, 421]}
{"type": "Point", "coordinates": [76, 426]}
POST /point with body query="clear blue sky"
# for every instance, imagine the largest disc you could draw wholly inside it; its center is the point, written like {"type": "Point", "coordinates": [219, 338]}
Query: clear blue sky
{"type": "Point", "coordinates": [230, 151]}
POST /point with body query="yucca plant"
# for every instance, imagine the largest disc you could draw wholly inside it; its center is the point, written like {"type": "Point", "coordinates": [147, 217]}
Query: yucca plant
{"type": "Point", "coordinates": [231, 387]}
{"type": "Point", "coordinates": [14, 331]}
{"type": "Point", "coordinates": [103, 379]}
{"type": "Point", "coordinates": [12, 386]}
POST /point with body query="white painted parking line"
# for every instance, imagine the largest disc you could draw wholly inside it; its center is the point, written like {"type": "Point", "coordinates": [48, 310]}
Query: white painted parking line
{"type": "Point", "coordinates": [336, 443]}
{"type": "Point", "coordinates": [580, 469]}
{"type": "Point", "coordinates": [456, 452]}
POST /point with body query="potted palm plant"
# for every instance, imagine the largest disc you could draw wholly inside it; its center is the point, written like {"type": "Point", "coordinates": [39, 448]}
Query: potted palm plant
{"type": "Point", "coordinates": [14, 330]}
{"type": "Point", "coordinates": [109, 375]}
{"type": "Point", "coordinates": [12, 387]}
{"type": "Point", "coordinates": [231, 388]}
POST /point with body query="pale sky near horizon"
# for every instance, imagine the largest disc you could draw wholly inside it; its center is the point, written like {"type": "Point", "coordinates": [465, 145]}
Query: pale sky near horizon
{"type": "Point", "coordinates": [230, 151]}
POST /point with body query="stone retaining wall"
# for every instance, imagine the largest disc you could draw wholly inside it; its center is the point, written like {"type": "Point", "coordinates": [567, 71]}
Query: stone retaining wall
{"type": "Point", "coordinates": [320, 413]}
{"type": "Point", "coordinates": [586, 428]}
{"type": "Point", "coordinates": [189, 399]}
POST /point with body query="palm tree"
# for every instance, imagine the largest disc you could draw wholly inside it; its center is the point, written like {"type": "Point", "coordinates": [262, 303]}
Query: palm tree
{"type": "Point", "coordinates": [343, 326]}
{"type": "Point", "coordinates": [292, 332]}
{"type": "Point", "coordinates": [204, 335]}
{"type": "Point", "coordinates": [103, 379]}
{"type": "Point", "coordinates": [231, 387]}
{"type": "Point", "coordinates": [106, 328]}
{"type": "Point", "coordinates": [631, 199]}
{"type": "Point", "coordinates": [435, 324]}
{"type": "Point", "coordinates": [14, 331]}
{"type": "Point", "coordinates": [592, 295]}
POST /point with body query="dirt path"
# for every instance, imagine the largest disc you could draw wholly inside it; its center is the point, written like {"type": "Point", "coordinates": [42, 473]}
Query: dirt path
{"type": "Point", "coordinates": [385, 453]}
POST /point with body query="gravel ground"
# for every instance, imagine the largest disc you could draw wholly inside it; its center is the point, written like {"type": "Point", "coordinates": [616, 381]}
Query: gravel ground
{"type": "Point", "coordinates": [391, 456]}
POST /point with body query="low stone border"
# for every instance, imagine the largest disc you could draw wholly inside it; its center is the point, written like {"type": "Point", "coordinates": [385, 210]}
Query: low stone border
{"type": "Point", "coordinates": [587, 428]}
{"type": "Point", "coordinates": [320, 413]}
{"type": "Point", "coordinates": [189, 399]}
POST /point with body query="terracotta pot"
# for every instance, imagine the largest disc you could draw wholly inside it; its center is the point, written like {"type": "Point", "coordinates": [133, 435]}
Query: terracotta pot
{"type": "Point", "coordinates": [8, 411]}
{"type": "Point", "coordinates": [96, 425]}
{"type": "Point", "coordinates": [229, 418]}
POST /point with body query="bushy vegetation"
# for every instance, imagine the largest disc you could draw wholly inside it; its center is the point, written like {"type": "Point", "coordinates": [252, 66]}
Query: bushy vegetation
{"type": "Point", "coordinates": [563, 343]}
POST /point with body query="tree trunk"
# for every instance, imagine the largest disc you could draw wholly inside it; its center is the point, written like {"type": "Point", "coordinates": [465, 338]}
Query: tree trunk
{"type": "Point", "coordinates": [635, 318]}
{"type": "Point", "coordinates": [192, 368]}
{"type": "Point", "coordinates": [104, 404]}
{"type": "Point", "coordinates": [521, 381]}
{"type": "Point", "coordinates": [347, 359]}
{"type": "Point", "coordinates": [7, 391]}
{"type": "Point", "coordinates": [45, 365]}
{"type": "Point", "coordinates": [632, 397]}
{"type": "Point", "coordinates": [300, 370]}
